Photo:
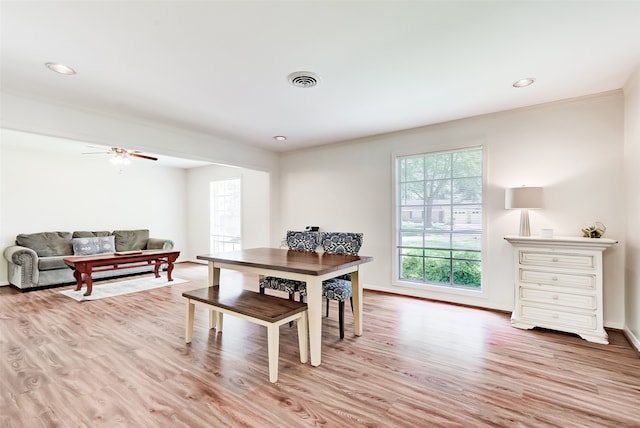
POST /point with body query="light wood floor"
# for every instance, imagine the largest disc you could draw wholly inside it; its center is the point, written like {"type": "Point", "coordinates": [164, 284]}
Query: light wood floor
{"type": "Point", "coordinates": [123, 362]}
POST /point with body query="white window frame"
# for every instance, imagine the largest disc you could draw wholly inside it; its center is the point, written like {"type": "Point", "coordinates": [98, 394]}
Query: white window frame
{"type": "Point", "coordinates": [234, 247]}
{"type": "Point", "coordinates": [430, 289]}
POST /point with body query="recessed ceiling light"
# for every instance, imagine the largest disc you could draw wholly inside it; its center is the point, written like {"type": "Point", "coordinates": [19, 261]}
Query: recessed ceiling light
{"type": "Point", "coordinates": [523, 82]}
{"type": "Point", "coordinates": [59, 68]}
{"type": "Point", "coordinates": [279, 138]}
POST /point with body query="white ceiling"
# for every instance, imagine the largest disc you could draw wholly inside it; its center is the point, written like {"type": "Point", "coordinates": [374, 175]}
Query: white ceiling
{"type": "Point", "coordinates": [221, 67]}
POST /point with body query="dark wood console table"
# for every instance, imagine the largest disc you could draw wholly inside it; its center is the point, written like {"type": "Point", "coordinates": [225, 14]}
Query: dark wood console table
{"type": "Point", "coordinates": [84, 266]}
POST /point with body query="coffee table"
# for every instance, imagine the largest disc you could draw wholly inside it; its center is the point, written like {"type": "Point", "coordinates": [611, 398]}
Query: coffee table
{"type": "Point", "coordinates": [84, 266]}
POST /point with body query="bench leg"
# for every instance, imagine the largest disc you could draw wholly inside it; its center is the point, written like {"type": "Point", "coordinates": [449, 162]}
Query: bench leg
{"type": "Point", "coordinates": [213, 319]}
{"type": "Point", "coordinates": [303, 337]}
{"type": "Point", "coordinates": [219, 320]}
{"type": "Point", "coordinates": [273, 339]}
{"type": "Point", "coordinates": [188, 333]}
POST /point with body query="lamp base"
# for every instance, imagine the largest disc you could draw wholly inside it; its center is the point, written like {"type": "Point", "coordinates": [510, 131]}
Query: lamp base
{"type": "Point", "coordinates": [524, 223]}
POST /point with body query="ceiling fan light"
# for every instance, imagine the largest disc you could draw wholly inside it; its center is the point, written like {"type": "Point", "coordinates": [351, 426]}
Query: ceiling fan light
{"type": "Point", "coordinates": [120, 160]}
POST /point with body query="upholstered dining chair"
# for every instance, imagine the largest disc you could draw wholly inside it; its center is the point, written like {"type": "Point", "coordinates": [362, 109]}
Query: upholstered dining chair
{"type": "Point", "coordinates": [338, 288]}
{"type": "Point", "coordinates": [296, 241]}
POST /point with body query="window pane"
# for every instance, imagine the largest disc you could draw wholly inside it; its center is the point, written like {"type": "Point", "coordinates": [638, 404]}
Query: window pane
{"type": "Point", "coordinates": [412, 168]}
{"type": "Point", "coordinates": [468, 190]}
{"type": "Point", "coordinates": [438, 191]}
{"type": "Point", "coordinates": [438, 270]}
{"type": "Point", "coordinates": [467, 163]}
{"type": "Point", "coordinates": [412, 217]}
{"type": "Point", "coordinates": [437, 240]}
{"type": "Point", "coordinates": [412, 268]}
{"type": "Point", "coordinates": [438, 165]}
{"type": "Point", "coordinates": [466, 273]}
{"type": "Point", "coordinates": [466, 241]}
{"type": "Point", "coordinates": [412, 193]}
{"type": "Point", "coordinates": [411, 239]}
{"type": "Point", "coordinates": [467, 218]}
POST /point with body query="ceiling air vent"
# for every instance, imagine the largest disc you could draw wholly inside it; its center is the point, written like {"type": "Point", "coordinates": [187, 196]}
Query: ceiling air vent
{"type": "Point", "coordinates": [303, 79]}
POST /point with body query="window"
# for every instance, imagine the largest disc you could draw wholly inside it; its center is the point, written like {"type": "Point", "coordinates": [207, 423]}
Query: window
{"type": "Point", "coordinates": [439, 218]}
{"type": "Point", "coordinates": [225, 215]}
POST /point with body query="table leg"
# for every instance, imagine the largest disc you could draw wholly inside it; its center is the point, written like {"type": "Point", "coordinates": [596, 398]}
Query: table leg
{"type": "Point", "coordinates": [169, 270]}
{"type": "Point", "coordinates": [357, 303]}
{"type": "Point", "coordinates": [156, 267]}
{"type": "Point", "coordinates": [87, 280]}
{"type": "Point", "coordinates": [214, 275]}
{"type": "Point", "coordinates": [314, 309]}
{"type": "Point", "coordinates": [78, 276]}
{"type": "Point", "coordinates": [303, 337]}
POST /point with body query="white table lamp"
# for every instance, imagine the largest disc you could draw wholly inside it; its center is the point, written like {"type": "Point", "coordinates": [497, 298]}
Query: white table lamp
{"type": "Point", "coordinates": [523, 198]}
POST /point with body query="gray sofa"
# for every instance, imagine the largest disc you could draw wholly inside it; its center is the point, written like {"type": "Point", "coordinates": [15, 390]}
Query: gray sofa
{"type": "Point", "coordinates": [36, 260]}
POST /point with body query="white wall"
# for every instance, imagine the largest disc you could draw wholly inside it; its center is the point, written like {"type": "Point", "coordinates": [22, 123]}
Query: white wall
{"type": "Point", "coordinates": [632, 169]}
{"type": "Point", "coordinates": [255, 206]}
{"type": "Point", "coordinates": [52, 191]}
{"type": "Point", "coordinates": [573, 148]}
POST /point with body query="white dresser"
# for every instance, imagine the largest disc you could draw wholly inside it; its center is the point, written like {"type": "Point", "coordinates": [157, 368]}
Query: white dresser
{"type": "Point", "coordinates": [558, 284]}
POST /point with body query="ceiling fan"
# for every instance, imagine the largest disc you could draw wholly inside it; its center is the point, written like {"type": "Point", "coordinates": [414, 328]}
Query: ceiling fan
{"type": "Point", "coordinates": [120, 154]}
{"type": "Point", "coordinates": [120, 157]}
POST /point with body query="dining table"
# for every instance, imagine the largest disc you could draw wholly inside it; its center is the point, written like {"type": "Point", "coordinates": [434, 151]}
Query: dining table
{"type": "Point", "coordinates": [308, 266]}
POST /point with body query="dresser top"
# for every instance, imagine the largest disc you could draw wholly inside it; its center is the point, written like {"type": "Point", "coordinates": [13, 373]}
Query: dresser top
{"type": "Point", "coordinates": [570, 241]}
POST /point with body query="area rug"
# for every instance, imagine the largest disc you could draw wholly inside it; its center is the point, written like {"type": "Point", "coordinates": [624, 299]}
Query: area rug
{"type": "Point", "coordinates": [101, 291]}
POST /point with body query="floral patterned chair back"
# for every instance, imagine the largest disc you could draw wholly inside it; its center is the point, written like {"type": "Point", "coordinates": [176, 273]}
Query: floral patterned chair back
{"type": "Point", "coordinates": [341, 242]}
{"type": "Point", "coordinates": [303, 241]}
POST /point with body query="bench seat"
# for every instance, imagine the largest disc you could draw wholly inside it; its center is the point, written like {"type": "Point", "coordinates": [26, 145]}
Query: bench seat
{"type": "Point", "coordinates": [269, 311]}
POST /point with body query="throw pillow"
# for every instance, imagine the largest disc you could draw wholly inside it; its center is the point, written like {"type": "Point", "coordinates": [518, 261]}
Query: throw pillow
{"type": "Point", "coordinates": [47, 244]}
{"type": "Point", "coordinates": [95, 245]}
{"type": "Point", "coordinates": [131, 240]}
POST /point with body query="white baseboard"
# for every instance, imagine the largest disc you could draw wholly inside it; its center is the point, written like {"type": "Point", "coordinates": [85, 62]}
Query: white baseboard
{"type": "Point", "coordinates": [635, 342]}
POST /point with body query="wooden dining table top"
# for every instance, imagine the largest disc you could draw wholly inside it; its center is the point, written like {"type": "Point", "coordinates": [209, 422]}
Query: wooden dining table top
{"type": "Point", "coordinates": [303, 262]}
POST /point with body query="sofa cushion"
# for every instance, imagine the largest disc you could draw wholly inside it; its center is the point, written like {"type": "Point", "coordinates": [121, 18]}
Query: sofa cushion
{"type": "Point", "coordinates": [87, 234]}
{"type": "Point", "coordinates": [51, 263]}
{"type": "Point", "coordinates": [47, 244]}
{"type": "Point", "coordinates": [93, 245]}
{"type": "Point", "coordinates": [130, 240]}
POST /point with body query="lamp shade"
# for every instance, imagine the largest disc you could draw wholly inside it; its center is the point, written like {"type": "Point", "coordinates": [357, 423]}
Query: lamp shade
{"type": "Point", "coordinates": [523, 197]}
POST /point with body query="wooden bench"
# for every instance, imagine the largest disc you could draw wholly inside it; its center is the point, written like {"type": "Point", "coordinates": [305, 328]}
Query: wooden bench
{"type": "Point", "coordinates": [269, 311]}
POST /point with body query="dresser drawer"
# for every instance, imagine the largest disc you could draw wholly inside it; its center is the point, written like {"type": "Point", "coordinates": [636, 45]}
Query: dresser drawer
{"type": "Point", "coordinates": [555, 319]}
{"type": "Point", "coordinates": [580, 301]}
{"type": "Point", "coordinates": [583, 282]}
{"type": "Point", "coordinates": [557, 260]}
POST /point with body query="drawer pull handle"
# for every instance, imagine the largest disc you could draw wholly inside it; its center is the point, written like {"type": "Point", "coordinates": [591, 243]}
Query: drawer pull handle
{"type": "Point", "coordinates": [555, 316]}
{"type": "Point", "coordinates": [555, 297]}
{"type": "Point", "coordinates": [555, 259]}
{"type": "Point", "coordinates": [554, 278]}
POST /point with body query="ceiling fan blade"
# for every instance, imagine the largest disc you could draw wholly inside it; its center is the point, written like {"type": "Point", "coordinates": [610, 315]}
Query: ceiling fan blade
{"type": "Point", "coordinates": [143, 156]}
{"type": "Point", "coordinates": [96, 153]}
